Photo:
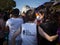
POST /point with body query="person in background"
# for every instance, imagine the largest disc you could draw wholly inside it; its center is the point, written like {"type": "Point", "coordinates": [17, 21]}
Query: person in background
{"type": "Point", "coordinates": [29, 31]}
{"type": "Point", "coordinates": [2, 30]}
{"type": "Point", "coordinates": [12, 25]}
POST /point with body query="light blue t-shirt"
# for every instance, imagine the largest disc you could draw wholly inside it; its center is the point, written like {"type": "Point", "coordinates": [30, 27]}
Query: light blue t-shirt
{"type": "Point", "coordinates": [14, 25]}
{"type": "Point", "coordinates": [29, 34]}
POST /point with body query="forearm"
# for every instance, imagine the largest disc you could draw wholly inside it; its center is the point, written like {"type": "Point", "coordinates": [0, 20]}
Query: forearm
{"type": "Point", "coordinates": [46, 36]}
{"type": "Point", "coordinates": [15, 35]}
{"type": "Point", "coordinates": [52, 38]}
{"type": "Point", "coordinates": [43, 34]}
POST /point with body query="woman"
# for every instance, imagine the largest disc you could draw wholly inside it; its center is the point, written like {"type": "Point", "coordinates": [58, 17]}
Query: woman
{"type": "Point", "coordinates": [50, 27]}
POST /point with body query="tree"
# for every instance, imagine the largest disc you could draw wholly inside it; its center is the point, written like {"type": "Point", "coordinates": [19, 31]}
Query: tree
{"type": "Point", "coordinates": [52, 0]}
{"type": "Point", "coordinates": [7, 4]}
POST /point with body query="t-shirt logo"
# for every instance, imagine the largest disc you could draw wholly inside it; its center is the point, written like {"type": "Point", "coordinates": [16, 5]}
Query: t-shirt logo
{"type": "Point", "coordinates": [23, 31]}
{"type": "Point", "coordinates": [27, 32]}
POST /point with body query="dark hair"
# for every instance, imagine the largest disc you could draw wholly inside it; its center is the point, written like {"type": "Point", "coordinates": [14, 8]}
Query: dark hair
{"type": "Point", "coordinates": [15, 12]}
{"type": "Point", "coordinates": [41, 11]}
{"type": "Point", "coordinates": [30, 15]}
{"type": "Point", "coordinates": [6, 16]}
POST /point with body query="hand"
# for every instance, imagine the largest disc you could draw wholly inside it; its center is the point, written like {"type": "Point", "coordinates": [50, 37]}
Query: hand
{"type": "Point", "coordinates": [54, 37]}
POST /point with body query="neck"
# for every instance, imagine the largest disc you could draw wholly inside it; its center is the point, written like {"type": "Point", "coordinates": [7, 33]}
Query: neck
{"type": "Point", "coordinates": [31, 21]}
{"type": "Point", "coordinates": [15, 16]}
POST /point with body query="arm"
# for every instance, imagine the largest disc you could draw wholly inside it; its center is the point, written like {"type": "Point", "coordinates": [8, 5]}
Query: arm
{"type": "Point", "coordinates": [17, 32]}
{"type": "Point", "coordinates": [45, 35]}
{"type": "Point", "coordinates": [15, 35]}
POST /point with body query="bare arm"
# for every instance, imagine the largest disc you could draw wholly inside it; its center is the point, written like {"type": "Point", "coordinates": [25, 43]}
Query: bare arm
{"type": "Point", "coordinates": [15, 35]}
{"type": "Point", "coordinates": [17, 32]}
{"type": "Point", "coordinates": [45, 35]}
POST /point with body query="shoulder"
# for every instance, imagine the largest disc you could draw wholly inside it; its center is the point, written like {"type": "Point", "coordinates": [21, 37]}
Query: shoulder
{"type": "Point", "coordinates": [20, 19]}
{"type": "Point", "coordinates": [8, 21]}
{"type": "Point", "coordinates": [29, 24]}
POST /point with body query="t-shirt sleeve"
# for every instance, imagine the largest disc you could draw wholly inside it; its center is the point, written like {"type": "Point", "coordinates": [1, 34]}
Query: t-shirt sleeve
{"type": "Point", "coordinates": [7, 23]}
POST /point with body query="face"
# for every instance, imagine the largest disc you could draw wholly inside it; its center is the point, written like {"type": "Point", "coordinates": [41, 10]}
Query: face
{"type": "Point", "coordinates": [40, 18]}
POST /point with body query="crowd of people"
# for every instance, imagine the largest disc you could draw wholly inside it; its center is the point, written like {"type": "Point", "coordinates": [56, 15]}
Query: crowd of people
{"type": "Point", "coordinates": [29, 28]}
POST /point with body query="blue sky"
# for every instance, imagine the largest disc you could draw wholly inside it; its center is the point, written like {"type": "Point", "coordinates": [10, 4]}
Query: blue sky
{"type": "Point", "coordinates": [31, 3]}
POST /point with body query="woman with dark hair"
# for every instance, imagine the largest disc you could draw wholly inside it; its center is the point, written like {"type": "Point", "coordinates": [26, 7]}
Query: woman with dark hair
{"type": "Point", "coordinates": [50, 27]}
